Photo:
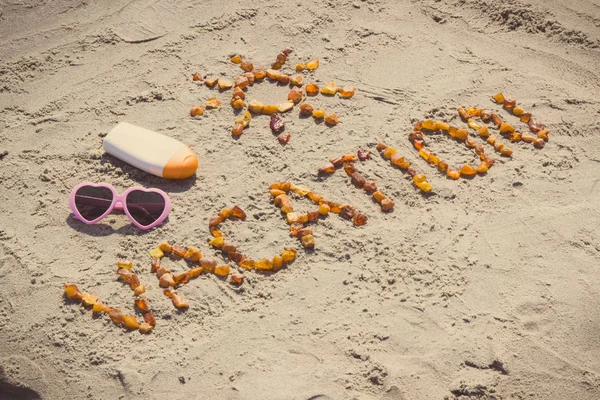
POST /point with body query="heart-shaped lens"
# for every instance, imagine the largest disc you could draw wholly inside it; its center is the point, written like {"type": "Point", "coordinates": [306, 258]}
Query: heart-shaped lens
{"type": "Point", "coordinates": [145, 207]}
{"type": "Point", "coordinates": [93, 202]}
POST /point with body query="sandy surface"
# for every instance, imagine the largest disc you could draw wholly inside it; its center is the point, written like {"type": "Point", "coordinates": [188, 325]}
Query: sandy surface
{"type": "Point", "coordinates": [488, 288]}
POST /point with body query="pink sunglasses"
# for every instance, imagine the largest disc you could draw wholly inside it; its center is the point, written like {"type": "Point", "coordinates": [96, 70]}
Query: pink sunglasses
{"type": "Point", "coordinates": [146, 208]}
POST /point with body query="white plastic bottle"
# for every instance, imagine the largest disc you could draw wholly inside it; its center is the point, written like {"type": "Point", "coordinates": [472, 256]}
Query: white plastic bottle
{"type": "Point", "coordinates": [152, 152]}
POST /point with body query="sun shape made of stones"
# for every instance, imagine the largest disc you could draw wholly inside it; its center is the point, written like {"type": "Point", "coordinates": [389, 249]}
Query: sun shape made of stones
{"type": "Point", "coordinates": [252, 75]}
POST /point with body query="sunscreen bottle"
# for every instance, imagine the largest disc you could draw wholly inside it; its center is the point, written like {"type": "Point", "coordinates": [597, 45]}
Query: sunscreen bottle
{"type": "Point", "coordinates": [152, 152]}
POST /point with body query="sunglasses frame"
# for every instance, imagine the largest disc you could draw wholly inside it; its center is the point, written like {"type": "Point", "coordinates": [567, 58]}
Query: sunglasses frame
{"type": "Point", "coordinates": [119, 203]}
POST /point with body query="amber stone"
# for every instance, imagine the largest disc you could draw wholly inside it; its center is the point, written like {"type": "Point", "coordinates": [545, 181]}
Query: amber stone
{"type": "Point", "coordinates": [264, 265]}
{"type": "Point", "coordinates": [222, 270]}
{"type": "Point", "coordinates": [505, 127]}
{"type": "Point", "coordinates": [217, 242]}
{"type": "Point", "coordinates": [515, 137]}
{"type": "Point", "coordinates": [425, 186]}
{"type": "Point", "coordinates": [213, 103]}
{"type": "Point", "coordinates": [496, 119]}
{"type": "Point", "coordinates": [100, 307]}
{"type": "Point", "coordinates": [482, 168]}
{"type": "Point", "coordinates": [237, 129]}
{"type": "Point", "coordinates": [179, 302]}
{"type": "Point", "coordinates": [312, 89]}
{"type": "Point", "coordinates": [315, 197]}
{"type": "Point", "coordinates": [281, 199]}
{"type": "Point", "coordinates": [285, 106]}
{"type": "Point", "coordinates": [142, 303]}
{"type": "Point", "coordinates": [178, 250]}
{"type": "Point", "coordinates": [210, 82]}
{"type": "Point", "coordinates": [318, 114]}
{"type": "Point", "coordinates": [259, 73]}
{"type": "Point", "coordinates": [535, 126]}
{"type": "Point", "coordinates": [228, 247]}
{"type": "Point", "coordinates": [313, 64]}
{"type": "Point", "coordinates": [324, 209]}
{"type": "Point", "coordinates": [397, 159]}
{"type": "Point", "coordinates": [308, 241]}
{"type": "Point", "coordinates": [346, 93]}
{"type": "Point", "coordinates": [463, 113]}
{"type": "Point", "coordinates": [270, 109]}
{"type": "Point", "coordinates": [255, 107]}
{"type": "Point", "coordinates": [295, 95]}
{"type": "Point", "coordinates": [237, 103]}
{"type": "Point", "coordinates": [195, 272]}
{"type": "Point", "coordinates": [225, 84]}
{"type": "Point", "coordinates": [525, 117]}
{"type": "Point", "coordinates": [237, 278]}
{"type": "Point", "coordinates": [369, 186]}
{"type": "Point", "coordinates": [378, 196]}
{"type": "Point", "coordinates": [387, 204]}
{"type": "Point", "coordinates": [441, 126]}
{"type": "Point", "coordinates": [359, 219]}
{"type": "Point", "coordinates": [247, 264]}
{"type": "Point", "coordinates": [150, 318]}
{"type": "Point", "coordinates": [166, 247]}
{"type": "Point", "coordinates": [388, 152]}
{"type": "Point", "coordinates": [197, 111]}
{"type": "Point", "coordinates": [327, 169]}
{"type": "Point", "coordinates": [72, 292]}
{"type": "Point", "coordinates": [250, 77]}
{"type": "Point", "coordinates": [246, 66]}
{"type": "Point", "coordinates": [283, 137]}
{"type": "Point", "coordinates": [543, 134]}
{"type": "Point", "coordinates": [517, 111]}
{"type": "Point", "coordinates": [145, 327]}
{"type": "Point", "coordinates": [462, 134]}
{"type": "Point", "coordinates": [161, 271]}
{"type": "Point", "coordinates": [419, 178]}
{"type": "Point", "coordinates": [381, 146]}
{"type": "Point", "coordinates": [509, 103]}
{"type": "Point", "coordinates": [499, 98]}
{"type": "Point", "coordinates": [329, 89]}
{"type": "Point", "coordinates": [358, 180]}
{"type": "Point", "coordinates": [166, 280]}
{"type": "Point", "coordinates": [349, 168]}
{"type": "Point", "coordinates": [453, 174]}
{"type": "Point", "coordinates": [284, 79]}
{"type": "Point", "coordinates": [115, 315]}
{"type": "Point", "coordinates": [130, 322]}
{"type": "Point", "coordinates": [237, 212]}
{"type": "Point", "coordinates": [192, 254]}
{"type": "Point", "coordinates": [306, 109]}
{"type": "Point", "coordinates": [428, 124]}
{"type": "Point", "coordinates": [467, 170]}
{"type": "Point", "coordinates": [472, 124]}
{"type": "Point", "coordinates": [89, 299]}
{"type": "Point", "coordinates": [526, 137]}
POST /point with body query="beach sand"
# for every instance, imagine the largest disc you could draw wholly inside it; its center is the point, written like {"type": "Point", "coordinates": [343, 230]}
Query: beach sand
{"type": "Point", "coordinates": [483, 289]}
